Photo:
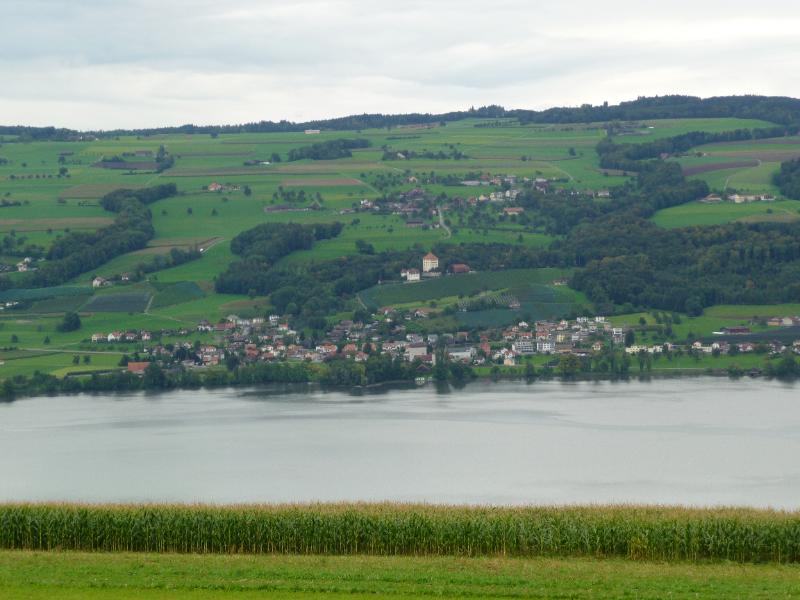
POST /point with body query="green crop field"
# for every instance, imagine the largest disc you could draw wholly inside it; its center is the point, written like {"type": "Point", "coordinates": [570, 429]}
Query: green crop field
{"type": "Point", "coordinates": [120, 302]}
{"type": "Point", "coordinates": [672, 534]}
{"type": "Point", "coordinates": [455, 285]}
{"type": "Point", "coordinates": [177, 293]}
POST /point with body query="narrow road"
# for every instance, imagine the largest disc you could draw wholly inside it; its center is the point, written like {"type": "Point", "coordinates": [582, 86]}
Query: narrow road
{"type": "Point", "coordinates": [442, 224]}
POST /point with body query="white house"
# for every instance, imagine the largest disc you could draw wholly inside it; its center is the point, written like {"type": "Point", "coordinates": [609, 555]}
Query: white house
{"type": "Point", "coordinates": [524, 347]}
{"type": "Point", "coordinates": [545, 346]}
{"type": "Point", "coordinates": [417, 350]}
{"type": "Point", "coordinates": [461, 353]}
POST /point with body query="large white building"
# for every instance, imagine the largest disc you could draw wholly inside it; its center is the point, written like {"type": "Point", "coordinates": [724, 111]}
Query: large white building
{"type": "Point", "coordinates": [430, 262]}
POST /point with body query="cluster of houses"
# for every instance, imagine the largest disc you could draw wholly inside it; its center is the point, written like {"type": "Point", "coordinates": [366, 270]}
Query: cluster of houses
{"type": "Point", "coordinates": [218, 187]}
{"type": "Point", "coordinates": [122, 336]}
{"type": "Point", "coordinates": [430, 268]}
{"type": "Point", "coordinates": [392, 332]}
{"type": "Point", "coordinates": [738, 198]}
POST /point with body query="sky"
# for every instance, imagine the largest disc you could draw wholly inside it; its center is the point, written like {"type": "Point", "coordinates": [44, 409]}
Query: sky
{"type": "Point", "coordinates": [98, 64]}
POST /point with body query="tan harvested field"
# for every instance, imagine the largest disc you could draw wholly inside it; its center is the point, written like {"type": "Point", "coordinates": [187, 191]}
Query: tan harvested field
{"type": "Point", "coordinates": [310, 182]}
{"type": "Point", "coordinates": [221, 172]}
{"type": "Point", "coordinates": [324, 166]}
{"type": "Point", "coordinates": [203, 242]}
{"type": "Point", "coordinates": [707, 168]}
{"type": "Point", "coordinates": [210, 154]}
{"type": "Point", "coordinates": [63, 223]}
{"type": "Point", "coordinates": [780, 217]}
{"type": "Point", "coordinates": [766, 156]}
{"type": "Point", "coordinates": [793, 140]}
{"type": "Point", "coordinates": [93, 190]}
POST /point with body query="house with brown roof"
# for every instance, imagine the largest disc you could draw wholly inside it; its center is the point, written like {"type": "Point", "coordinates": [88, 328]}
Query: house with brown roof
{"type": "Point", "coordinates": [138, 367]}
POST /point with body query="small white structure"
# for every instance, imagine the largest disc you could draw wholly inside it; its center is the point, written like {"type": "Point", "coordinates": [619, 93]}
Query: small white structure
{"type": "Point", "coordinates": [98, 282]}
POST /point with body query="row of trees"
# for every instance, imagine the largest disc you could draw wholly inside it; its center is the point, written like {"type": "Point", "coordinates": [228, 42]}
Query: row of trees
{"type": "Point", "coordinates": [331, 149]}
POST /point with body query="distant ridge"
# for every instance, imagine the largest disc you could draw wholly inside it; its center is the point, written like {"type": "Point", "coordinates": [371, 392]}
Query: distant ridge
{"type": "Point", "coordinates": [777, 109]}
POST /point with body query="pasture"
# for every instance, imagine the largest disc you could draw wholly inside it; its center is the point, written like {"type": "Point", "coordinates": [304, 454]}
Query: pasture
{"type": "Point", "coordinates": [124, 576]}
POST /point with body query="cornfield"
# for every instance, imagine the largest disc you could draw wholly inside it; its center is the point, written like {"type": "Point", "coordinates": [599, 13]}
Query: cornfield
{"type": "Point", "coordinates": [652, 533]}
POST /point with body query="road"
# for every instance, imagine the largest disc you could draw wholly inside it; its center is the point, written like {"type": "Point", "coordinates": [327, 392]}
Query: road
{"type": "Point", "coordinates": [441, 222]}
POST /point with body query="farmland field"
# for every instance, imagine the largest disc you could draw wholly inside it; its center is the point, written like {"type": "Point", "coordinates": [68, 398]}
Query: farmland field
{"type": "Point", "coordinates": [133, 302]}
{"type": "Point", "coordinates": [455, 285]}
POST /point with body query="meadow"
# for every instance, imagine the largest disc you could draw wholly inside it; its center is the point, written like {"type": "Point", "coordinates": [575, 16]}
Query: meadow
{"type": "Point", "coordinates": [99, 576]}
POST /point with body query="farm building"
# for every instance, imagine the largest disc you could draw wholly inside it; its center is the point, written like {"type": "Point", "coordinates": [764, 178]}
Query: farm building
{"type": "Point", "coordinates": [215, 187]}
{"type": "Point", "coordinates": [311, 131]}
{"type": "Point", "coordinates": [411, 274]}
{"type": "Point", "coordinates": [745, 198]}
{"type": "Point", "coordinates": [459, 268]}
{"type": "Point", "coordinates": [513, 210]}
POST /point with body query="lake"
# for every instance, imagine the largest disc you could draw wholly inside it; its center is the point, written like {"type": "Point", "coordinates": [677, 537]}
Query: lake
{"type": "Point", "coordinates": [699, 441]}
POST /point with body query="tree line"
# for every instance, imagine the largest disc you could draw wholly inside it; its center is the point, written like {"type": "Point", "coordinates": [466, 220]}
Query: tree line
{"type": "Point", "coordinates": [328, 150]}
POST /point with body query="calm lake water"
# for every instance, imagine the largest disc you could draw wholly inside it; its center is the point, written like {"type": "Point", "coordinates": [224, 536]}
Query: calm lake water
{"type": "Point", "coordinates": [690, 441]}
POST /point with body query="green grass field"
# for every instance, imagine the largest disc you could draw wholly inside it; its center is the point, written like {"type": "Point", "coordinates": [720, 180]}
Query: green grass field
{"type": "Point", "coordinates": [698, 213]}
{"type": "Point", "coordinates": [78, 576]}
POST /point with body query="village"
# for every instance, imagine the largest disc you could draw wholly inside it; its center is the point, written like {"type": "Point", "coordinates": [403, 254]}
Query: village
{"type": "Point", "coordinates": [393, 332]}
{"type": "Point", "coordinates": [250, 340]}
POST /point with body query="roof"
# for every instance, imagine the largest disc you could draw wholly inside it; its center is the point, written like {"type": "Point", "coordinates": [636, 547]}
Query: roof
{"type": "Point", "coordinates": [137, 367]}
{"type": "Point", "coordinates": [430, 256]}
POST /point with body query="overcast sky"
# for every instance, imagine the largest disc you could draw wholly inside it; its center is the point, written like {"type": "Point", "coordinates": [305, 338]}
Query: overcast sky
{"type": "Point", "coordinates": [101, 64]}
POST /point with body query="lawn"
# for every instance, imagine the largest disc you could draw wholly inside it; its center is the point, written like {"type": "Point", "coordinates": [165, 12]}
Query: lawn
{"type": "Point", "coordinates": [74, 576]}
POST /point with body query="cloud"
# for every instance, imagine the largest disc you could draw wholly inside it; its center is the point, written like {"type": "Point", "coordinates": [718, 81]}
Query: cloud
{"type": "Point", "coordinates": [96, 64]}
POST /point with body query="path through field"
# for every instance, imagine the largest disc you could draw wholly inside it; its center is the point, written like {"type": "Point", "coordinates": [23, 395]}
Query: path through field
{"type": "Point", "coordinates": [442, 223]}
